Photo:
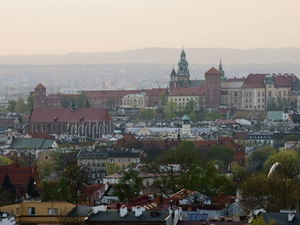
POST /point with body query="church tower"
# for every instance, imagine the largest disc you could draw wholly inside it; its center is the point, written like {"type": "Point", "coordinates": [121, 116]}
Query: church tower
{"type": "Point", "coordinates": [223, 78]}
{"type": "Point", "coordinates": [182, 77]}
{"type": "Point", "coordinates": [40, 96]}
{"type": "Point", "coordinates": [183, 70]}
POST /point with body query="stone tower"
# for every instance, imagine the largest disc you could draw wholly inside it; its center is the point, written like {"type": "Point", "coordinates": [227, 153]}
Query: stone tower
{"type": "Point", "coordinates": [40, 96]}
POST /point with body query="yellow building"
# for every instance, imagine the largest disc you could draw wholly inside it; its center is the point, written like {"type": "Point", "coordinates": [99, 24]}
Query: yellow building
{"type": "Point", "coordinates": [33, 212]}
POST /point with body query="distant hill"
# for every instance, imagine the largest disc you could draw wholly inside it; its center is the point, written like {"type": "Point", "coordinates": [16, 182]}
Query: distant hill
{"type": "Point", "coordinates": [164, 56]}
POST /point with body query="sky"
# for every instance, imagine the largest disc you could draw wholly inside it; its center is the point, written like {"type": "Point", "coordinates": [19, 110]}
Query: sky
{"type": "Point", "coordinates": [67, 26]}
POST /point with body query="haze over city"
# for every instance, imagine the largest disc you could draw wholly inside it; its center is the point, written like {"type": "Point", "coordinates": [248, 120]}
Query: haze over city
{"type": "Point", "coordinates": [64, 26]}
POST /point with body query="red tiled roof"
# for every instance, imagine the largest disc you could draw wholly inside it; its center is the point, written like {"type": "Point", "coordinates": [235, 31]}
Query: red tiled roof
{"type": "Point", "coordinates": [121, 93]}
{"type": "Point", "coordinates": [213, 70]}
{"type": "Point", "coordinates": [283, 80]}
{"type": "Point", "coordinates": [17, 175]}
{"type": "Point", "coordinates": [191, 91]}
{"type": "Point", "coordinates": [40, 86]}
{"type": "Point", "coordinates": [52, 96]}
{"type": "Point", "coordinates": [66, 115]}
{"type": "Point", "coordinates": [254, 81]}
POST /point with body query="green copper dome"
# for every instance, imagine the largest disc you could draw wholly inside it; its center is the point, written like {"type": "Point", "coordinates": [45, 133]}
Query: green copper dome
{"type": "Point", "coordinates": [186, 119]}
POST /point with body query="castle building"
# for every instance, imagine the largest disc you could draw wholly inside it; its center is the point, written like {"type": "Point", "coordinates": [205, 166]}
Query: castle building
{"type": "Point", "coordinates": [43, 101]}
{"type": "Point", "coordinates": [181, 79]}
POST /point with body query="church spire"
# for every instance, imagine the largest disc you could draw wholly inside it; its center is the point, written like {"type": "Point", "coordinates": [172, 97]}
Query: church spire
{"type": "Point", "coordinates": [223, 78]}
{"type": "Point", "coordinates": [183, 65]}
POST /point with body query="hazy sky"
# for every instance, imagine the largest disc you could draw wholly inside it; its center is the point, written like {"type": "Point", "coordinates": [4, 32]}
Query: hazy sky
{"type": "Point", "coordinates": [65, 26]}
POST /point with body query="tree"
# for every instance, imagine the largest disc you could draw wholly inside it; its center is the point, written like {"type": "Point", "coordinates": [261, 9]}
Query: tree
{"type": "Point", "coordinates": [180, 110]}
{"type": "Point", "coordinates": [46, 168]}
{"type": "Point", "coordinates": [193, 116]}
{"type": "Point", "coordinates": [289, 160]}
{"type": "Point", "coordinates": [163, 99]}
{"type": "Point", "coordinates": [87, 104]}
{"type": "Point", "coordinates": [258, 158]}
{"type": "Point", "coordinates": [272, 193]}
{"type": "Point", "coordinates": [5, 161]}
{"type": "Point", "coordinates": [291, 138]}
{"type": "Point", "coordinates": [259, 220]}
{"type": "Point", "coordinates": [147, 113]}
{"type": "Point", "coordinates": [112, 168]}
{"type": "Point", "coordinates": [80, 100]}
{"type": "Point", "coordinates": [130, 185]}
{"type": "Point", "coordinates": [219, 152]}
{"type": "Point", "coordinates": [56, 190]}
{"type": "Point", "coordinates": [11, 107]}
{"type": "Point", "coordinates": [21, 107]}
{"type": "Point", "coordinates": [212, 116]}
{"type": "Point", "coordinates": [239, 172]}
{"type": "Point", "coordinates": [31, 188]}
{"type": "Point", "coordinates": [183, 168]}
{"type": "Point", "coordinates": [190, 106]}
{"type": "Point", "coordinates": [170, 109]}
{"type": "Point", "coordinates": [30, 102]}
{"type": "Point", "coordinates": [111, 103]}
{"type": "Point", "coordinates": [76, 176]}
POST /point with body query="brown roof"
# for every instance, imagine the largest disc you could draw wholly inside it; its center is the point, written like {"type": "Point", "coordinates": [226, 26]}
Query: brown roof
{"type": "Point", "coordinates": [191, 91]}
{"type": "Point", "coordinates": [284, 80]}
{"type": "Point", "coordinates": [66, 115]}
{"type": "Point", "coordinates": [239, 135]}
{"type": "Point", "coordinates": [235, 79]}
{"type": "Point", "coordinates": [121, 93]}
{"type": "Point", "coordinates": [40, 135]}
{"type": "Point", "coordinates": [254, 81]}
{"type": "Point", "coordinates": [213, 70]}
{"type": "Point", "coordinates": [223, 111]}
{"type": "Point", "coordinates": [40, 86]}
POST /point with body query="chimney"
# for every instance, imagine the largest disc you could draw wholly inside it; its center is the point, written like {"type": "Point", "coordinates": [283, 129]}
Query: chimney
{"type": "Point", "coordinates": [138, 210]}
{"type": "Point", "coordinates": [123, 211]}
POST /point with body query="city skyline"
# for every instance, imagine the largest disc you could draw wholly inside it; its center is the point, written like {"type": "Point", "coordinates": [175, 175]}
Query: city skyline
{"type": "Point", "coordinates": [61, 27]}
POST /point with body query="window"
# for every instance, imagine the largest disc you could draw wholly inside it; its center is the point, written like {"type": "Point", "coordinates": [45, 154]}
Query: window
{"type": "Point", "coordinates": [52, 211]}
{"type": "Point", "coordinates": [235, 94]}
{"type": "Point", "coordinates": [258, 93]}
{"type": "Point", "coordinates": [270, 93]}
{"type": "Point", "coordinates": [53, 128]}
{"type": "Point", "coordinates": [31, 210]}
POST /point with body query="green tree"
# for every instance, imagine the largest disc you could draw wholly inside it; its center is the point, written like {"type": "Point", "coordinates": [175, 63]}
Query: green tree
{"type": "Point", "coordinates": [291, 138]}
{"type": "Point", "coordinates": [56, 190]}
{"type": "Point", "coordinates": [147, 113]}
{"type": "Point", "coordinates": [193, 116]}
{"type": "Point", "coordinates": [21, 107]}
{"type": "Point", "coordinates": [87, 104]}
{"type": "Point", "coordinates": [170, 109]}
{"type": "Point", "coordinates": [190, 106]}
{"type": "Point", "coordinates": [180, 109]}
{"type": "Point", "coordinates": [31, 188]}
{"type": "Point", "coordinates": [76, 176]}
{"type": "Point", "coordinates": [80, 100]}
{"type": "Point", "coordinates": [219, 152]}
{"type": "Point", "coordinates": [239, 172]}
{"type": "Point", "coordinates": [11, 107]}
{"type": "Point", "coordinates": [259, 220]}
{"type": "Point", "coordinates": [163, 99]}
{"type": "Point", "coordinates": [258, 158]}
{"type": "Point", "coordinates": [5, 161]}
{"type": "Point", "coordinates": [46, 168]}
{"type": "Point", "coordinates": [289, 160]}
{"type": "Point", "coordinates": [130, 185]}
{"type": "Point", "coordinates": [112, 168]}
{"type": "Point", "coordinates": [30, 102]}
{"type": "Point", "coordinates": [212, 116]}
